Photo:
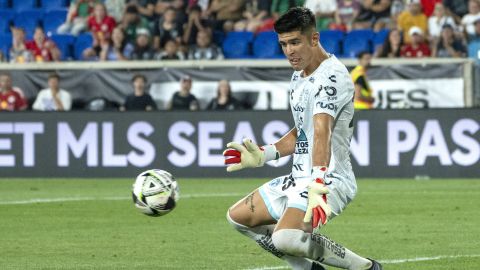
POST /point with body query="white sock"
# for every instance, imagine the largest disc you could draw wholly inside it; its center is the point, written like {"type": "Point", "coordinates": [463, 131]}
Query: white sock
{"type": "Point", "coordinates": [317, 247]}
{"type": "Point", "coordinates": [262, 235]}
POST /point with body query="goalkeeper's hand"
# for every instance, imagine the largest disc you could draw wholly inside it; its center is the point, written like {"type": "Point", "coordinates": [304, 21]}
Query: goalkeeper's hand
{"type": "Point", "coordinates": [248, 155]}
{"type": "Point", "coordinates": [318, 210]}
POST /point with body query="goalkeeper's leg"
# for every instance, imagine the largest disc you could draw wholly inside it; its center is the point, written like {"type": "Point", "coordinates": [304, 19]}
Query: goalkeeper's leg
{"type": "Point", "coordinates": [250, 217]}
{"type": "Point", "coordinates": [291, 237]}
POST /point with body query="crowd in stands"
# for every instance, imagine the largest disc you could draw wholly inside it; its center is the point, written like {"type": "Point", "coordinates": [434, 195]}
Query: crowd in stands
{"type": "Point", "coordinates": [112, 30]}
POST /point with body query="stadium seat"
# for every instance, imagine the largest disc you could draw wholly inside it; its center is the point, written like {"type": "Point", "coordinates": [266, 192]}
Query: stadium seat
{"type": "Point", "coordinates": [237, 45]}
{"type": "Point", "coordinates": [53, 19]}
{"type": "Point", "coordinates": [357, 41]}
{"type": "Point", "coordinates": [4, 4]}
{"type": "Point", "coordinates": [218, 37]}
{"type": "Point", "coordinates": [28, 20]}
{"type": "Point", "coordinates": [380, 37]}
{"type": "Point", "coordinates": [331, 41]}
{"type": "Point", "coordinates": [65, 44]}
{"type": "Point", "coordinates": [48, 5]}
{"type": "Point", "coordinates": [7, 17]}
{"type": "Point", "coordinates": [5, 43]}
{"type": "Point", "coordinates": [266, 45]}
{"type": "Point", "coordinates": [21, 5]}
{"type": "Point", "coordinates": [83, 41]}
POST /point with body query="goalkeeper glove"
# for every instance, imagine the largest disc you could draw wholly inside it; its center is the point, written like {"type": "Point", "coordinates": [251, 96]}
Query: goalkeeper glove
{"type": "Point", "coordinates": [248, 155]}
{"type": "Point", "coordinates": [318, 211]}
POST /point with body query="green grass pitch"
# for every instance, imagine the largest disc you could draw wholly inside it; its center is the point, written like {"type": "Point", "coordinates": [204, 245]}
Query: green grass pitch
{"type": "Point", "coordinates": [92, 224]}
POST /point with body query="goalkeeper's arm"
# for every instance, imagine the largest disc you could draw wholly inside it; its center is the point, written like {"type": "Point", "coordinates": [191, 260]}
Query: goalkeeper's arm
{"type": "Point", "coordinates": [250, 155]}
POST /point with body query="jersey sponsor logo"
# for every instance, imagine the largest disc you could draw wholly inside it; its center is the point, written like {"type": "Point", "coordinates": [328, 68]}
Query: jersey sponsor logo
{"type": "Point", "coordinates": [295, 77]}
{"type": "Point", "coordinates": [330, 90]}
{"type": "Point", "coordinates": [275, 182]}
{"type": "Point", "coordinates": [333, 78]}
{"type": "Point", "coordinates": [328, 106]}
{"type": "Point", "coordinates": [319, 90]}
{"type": "Point", "coordinates": [301, 146]}
{"type": "Point", "coordinates": [266, 243]}
{"type": "Point", "coordinates": [298, 108]}
{"type": "Point", "coordinates": [288, 182]}
{"type": "Point", "coordinates": [298, 167]}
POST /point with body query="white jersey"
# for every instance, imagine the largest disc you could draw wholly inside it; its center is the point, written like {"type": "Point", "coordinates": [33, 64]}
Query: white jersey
{"type": "Point", "coordinates": [329, 89]}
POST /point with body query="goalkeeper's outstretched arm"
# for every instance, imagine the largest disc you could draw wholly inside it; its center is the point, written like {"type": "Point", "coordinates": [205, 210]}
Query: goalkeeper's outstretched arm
{"type": "Point", "coordinates": [286, 145]}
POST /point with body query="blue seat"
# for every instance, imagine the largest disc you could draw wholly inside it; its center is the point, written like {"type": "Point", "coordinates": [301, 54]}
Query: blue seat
{"type": "Point", "coordinates": [82, 42]}
{"type": "Point", "coordinates": [237, 45]}
{"type": "Point", "coordinates": [5, 44]}
{"type": "Point", "coordinates": [49, 5]}
{"type": "Point", "coordinates": [379, 37]}
{"type": "Point", "coordinates": [28, 20]}
{"type": "Point", "coordinates": [474, 51]}
{"type": "Point", "coordinates": [21, 5]}
{"type": "Point", "coordinates": [53, 19]}
{"type": "Point", "coordinates": [357, 41]}
{"type": "Point", "coordinates": [64, 44]}
{"type": "Point", "coordinates": [6, 16]}
{"type": "Point", "coordinates": [331, 41]}
{"type": "Point", "coordinates": [266, 45]}
{"type": "Point", "coordinates": [4, 4]}
{"type": "Point", "coordinates": [364, 34]}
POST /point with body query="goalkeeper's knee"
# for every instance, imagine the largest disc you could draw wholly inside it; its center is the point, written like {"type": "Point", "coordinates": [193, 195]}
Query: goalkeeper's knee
{"type": "Point", "coordinates": [237, 226]}
{"type": "Point", "coordinates": [290, 241]}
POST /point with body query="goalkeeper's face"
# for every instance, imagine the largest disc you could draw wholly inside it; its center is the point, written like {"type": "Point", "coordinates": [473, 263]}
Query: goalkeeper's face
{"type": "Point", "coordinates": [298, 47]}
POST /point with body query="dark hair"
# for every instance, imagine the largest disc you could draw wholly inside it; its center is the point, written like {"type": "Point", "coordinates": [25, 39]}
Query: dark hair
{"type": "Point", "coordinates": [137, 76]}
{"type": "Point", "coordinates": [53, 75]}
{"type": "Point", "coordinates": [131, 9]}
{"type": "Point", "coordinates": [361, 54]}
{"type": "Point", "coordinates": [229, 89]}
{"type": "Point", "coordinates": [386, 47]}
{"type": "Point", "coordinates": [295, 19]}
{"type": "Point", "coordinates": [195, 8]}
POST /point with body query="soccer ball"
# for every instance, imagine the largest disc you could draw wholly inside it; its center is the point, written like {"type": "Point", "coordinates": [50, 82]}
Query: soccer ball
{"type": "Point", "coordinates": [155, 192]}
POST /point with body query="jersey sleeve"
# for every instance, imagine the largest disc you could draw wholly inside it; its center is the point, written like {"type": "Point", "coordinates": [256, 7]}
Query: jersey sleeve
{"type": "Point", "coordinates": [326, 97]}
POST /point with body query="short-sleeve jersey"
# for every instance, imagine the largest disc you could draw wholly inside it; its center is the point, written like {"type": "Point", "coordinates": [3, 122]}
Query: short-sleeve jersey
{"type": "Point", "coordinates": [329, 89]}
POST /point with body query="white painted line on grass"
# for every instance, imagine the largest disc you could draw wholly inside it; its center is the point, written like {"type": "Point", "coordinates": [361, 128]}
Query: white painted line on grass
{"type": "Point", "coordinates": [393, 261]}
{"type": "Point", "coordinates": [78, 199]}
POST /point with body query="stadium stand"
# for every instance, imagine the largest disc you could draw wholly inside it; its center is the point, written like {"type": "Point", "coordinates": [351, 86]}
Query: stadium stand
{"type": "Point", "coordinates": [53, 19]}
{"type": "Point", "coordinates": [49, 5]}
{"type": "Point", "coordinates": [237, 45]}
{"type": "Point", "coordinates": [266, 45]}
{"type": "Point", "coordinates": [82, 42]}
{"type": "Point", "coordinates": [357, 41]}
{"type": "Point", "coordinates": [65, 45]}
{"type": "Point", "coordinates": [7, 17]}
{"type": "Point", "coordinates": [331, 40]}
{"type": "Point", "coordinates": [28, 20]}
{"type": "Point", "coordinates": [5, 43]}
{"type": "Point", "coordinates": [22, 5]}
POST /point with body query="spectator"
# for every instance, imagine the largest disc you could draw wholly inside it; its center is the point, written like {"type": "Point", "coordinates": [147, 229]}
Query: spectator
{"type": "Point", "coordinates": [167, 28]}
{"type": "Point", "coordinates": [456, 8]}
{"type": "Point", "coordinates": [11, 99]}
{"type": "Point", "coordinates": [42, 48]}
{"type": "Point", "coordinates": [438, 20]}
{"type": "Point", "coordinates": [77, 16]}
{"type": "Point", "coordinates": [363, 92]}
{"type": "Point", "coordinates": [101, 26]}
{"type": "Point", "coordinates": [324, 11]}
{"type": "Point", "coordinates": [474, 43]}
{"type": "Point", "coordinates": [132, 21]}
{"type": "Point", "coordinates": [162, 5]}
{"type": "Point", "coordinates": [448, 45]}
{"type": "Point", "coordinates": [417, 47]}
{"type": "Point", "coordinates": [146, 8]}
{"type": "Point", "coordinates": [373, 14]}
{"type": "Point", "coordinates": [143, 49]}
{"type": "Point", "coordinates": [392, 45]}
{"type": "Point", "coordinates": [428, 6]}
{"type": "Point", "coordinates": [278, 7]}
{"type": "Point", "coordinates": [170, 52]}
{"type": "Point", "coordinates": [254, 16]}
{"type": "Point", "coordinates": [204, 49]}
{"type": "Point", "coordinates": [225, 13]}
{"type": "Point", "coordinates": [19, 52]}
{"type": "Point", "coordinates": [118, 48]}
{"type": "Point", "coordinates": [397, 7]}
{"type": "Point", "coordinates": [471, 17]}
{"type": "Point", "coordinates": [115, 8]}
{"type": "Point", "coordinates": [347, 11]}
{"type": "Point", "coordinates": [224, 99]}
{"type": "Point", "coordinates": [411, 17]}
{"type": "Point", "coordinates": [139, 100]}
{"type": "Point", "coordinates": [195, 23]}
{"type": "Point", "coordinates": [183, 99]}
{"type": "Point", "coordinates": [53, 98]}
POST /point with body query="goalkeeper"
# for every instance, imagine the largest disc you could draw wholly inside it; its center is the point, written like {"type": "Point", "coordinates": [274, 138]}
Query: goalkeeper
{"type": "Point", "coordinates": [284, 216]}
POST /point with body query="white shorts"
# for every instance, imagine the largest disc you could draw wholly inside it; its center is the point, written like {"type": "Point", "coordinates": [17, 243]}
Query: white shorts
{"type": "Point", "coordinates": [285, 191]}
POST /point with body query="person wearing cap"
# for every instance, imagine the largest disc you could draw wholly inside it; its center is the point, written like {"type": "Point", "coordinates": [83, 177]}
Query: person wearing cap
{"type": "Point", "coordinates": [417, 47]}
{"type": "Point", "coordinates": [143, 49]}
{"type": "Point", "coordinates": [410, 17]}
{"type": "Point", "coordinates": [183, 99]}
{"type": "Point", "coordinates": [133, 21]}
{"type": "Point", "coordinates": [448, 45]}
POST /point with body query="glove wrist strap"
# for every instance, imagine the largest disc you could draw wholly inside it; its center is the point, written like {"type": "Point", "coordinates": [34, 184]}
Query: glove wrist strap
{"type": "Point", "coordinates": [271, 152]}
{"type": "Point", "coordinates": [319, 172]}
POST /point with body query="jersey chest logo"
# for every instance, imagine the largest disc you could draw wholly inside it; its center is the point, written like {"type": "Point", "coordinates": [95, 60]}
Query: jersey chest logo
{"type": "Point", "coordinates": [301, 146]}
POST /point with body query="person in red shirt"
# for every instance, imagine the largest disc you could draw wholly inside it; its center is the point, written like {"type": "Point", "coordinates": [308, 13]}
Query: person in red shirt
{"type": "Point", "coordinates": [428, 6]}
{"type": "Point", "coordinates": [101, 26]}
{"type": "Point", "coordinates": [10, 100]}
{"type": "Point", "coordinates": [417, 47]}
{"type": "Point", "coordinates": [42, 48]}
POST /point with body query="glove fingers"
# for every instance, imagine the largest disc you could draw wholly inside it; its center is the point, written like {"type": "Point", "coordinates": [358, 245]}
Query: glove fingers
{"type": "Point", "coordinates": [234, 167]}
{"type": "Point", "coordinates": [232, 160]}
{"type": "Point", "coordinates": [237, 147]}
{"type": "Point", "coordinates": [308, 215]}
{"type": "Point", "coordinates": [231, 153]}
{"type": "Point", "coordinates": [315, 217]}
{"type": "Point", "coordinates": [251, 147]}
{"type": "Point", "coordinates": [322, 215]}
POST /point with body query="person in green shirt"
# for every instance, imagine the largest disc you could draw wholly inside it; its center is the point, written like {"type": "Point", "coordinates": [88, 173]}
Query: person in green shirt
{"type": "Point", "coordinates": [77, 16]}
{"type": "Point", "coordinates": [132, 20]}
